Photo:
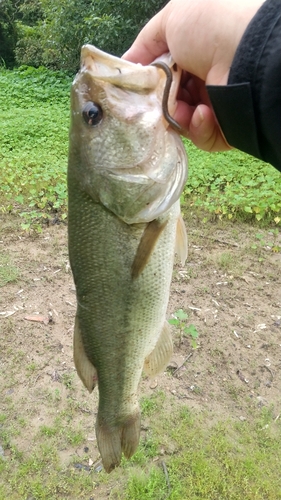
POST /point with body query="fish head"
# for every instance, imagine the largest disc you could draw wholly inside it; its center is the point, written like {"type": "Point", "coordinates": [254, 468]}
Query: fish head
{"type": "Point", "coordinates": [122, 151]}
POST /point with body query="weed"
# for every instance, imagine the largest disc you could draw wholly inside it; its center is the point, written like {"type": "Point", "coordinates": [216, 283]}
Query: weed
{"type": "Point", "coordinates": [8, 272]}
{"type": "Point", "coordinates": [34, 159]}
{"type": "Point", "coordinates": [149, 404]}
{"type": "Point", "coordinates": [31, 367]}
{"type": "Point", "coordinates": [233, 185]}
{"type": "Point", "coordinates": [225, 260]}
{"type": "Point", "coordinates": [179, 321]}
{"type": "Point", "coordinates": [265, 242]}
{"type": "Point", "coordinates": [67, 379]}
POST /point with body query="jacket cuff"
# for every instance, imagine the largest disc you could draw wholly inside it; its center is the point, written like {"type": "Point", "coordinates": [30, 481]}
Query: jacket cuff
{"type": "Point", "coordinates": [248, 108]}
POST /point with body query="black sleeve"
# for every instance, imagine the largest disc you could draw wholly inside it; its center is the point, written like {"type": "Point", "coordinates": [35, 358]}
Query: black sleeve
{"type": "Point", "coordinates": [248, 108]}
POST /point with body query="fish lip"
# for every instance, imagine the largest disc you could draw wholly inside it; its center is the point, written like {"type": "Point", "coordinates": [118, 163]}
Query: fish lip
{"type": "Point", "coordinates": [91, 54]}
{"type": "Point", "coordinates": [94, 53]}
{"type": "Point", "coordinates": [119, 72]}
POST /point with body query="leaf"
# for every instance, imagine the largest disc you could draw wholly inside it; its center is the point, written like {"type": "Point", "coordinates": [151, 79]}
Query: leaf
{"type": "Point", "coordinates": [173, 321]}
{"type": "Point", "coordinates": [191, 330]}
{"type": "Point", "coordinates": [180, 314]}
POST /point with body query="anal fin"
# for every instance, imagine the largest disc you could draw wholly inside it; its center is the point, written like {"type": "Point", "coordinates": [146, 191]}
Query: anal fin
{"type": "Point", "coordinates": [161, 354]}
{"type": "Point", "coordinates": [85, 369]}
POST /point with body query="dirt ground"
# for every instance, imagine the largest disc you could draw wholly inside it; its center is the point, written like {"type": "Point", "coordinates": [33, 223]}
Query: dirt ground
{"type": "Point", "coordinates": [230, 288]}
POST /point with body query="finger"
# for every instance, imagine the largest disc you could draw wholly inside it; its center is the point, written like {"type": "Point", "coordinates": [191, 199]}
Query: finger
{"type": "Point", "coordinates": [183, 115]}
{"type": "Point", "coordinates": [205, 132]}
{"type": "Point", "coordinates": [150, 43]}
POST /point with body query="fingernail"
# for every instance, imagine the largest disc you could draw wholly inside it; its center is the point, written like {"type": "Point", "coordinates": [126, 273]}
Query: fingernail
{"type": "Point", "coordinates": [198, 117]}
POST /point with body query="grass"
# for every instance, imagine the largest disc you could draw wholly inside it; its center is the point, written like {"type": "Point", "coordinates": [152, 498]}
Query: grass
{"type": "Point", "coordinates": [232, 185]}
{"type": "Point", "coordinates": [182, 455]}
{"type": "Point", "coordinates": [227, 460]}
{"type": "Point", "coordinates": [34, 143]}
{"type": "Point", "coordinates": [8, 272]}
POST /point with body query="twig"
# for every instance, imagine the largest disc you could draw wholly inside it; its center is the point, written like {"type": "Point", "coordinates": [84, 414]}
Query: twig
{"type": "Point", "coordinates": [167, 479]}
{"type": "Point", "coordinates": [216, 240]}
{"type": "Point", "coordinates": [186, 359]}
{"type": "Point", "coordinates": [241, 376]}
{"type": "Point", "coordinates": [270, 371]}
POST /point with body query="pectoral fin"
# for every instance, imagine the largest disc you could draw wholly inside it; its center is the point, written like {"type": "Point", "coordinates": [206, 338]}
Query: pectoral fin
{"type": "Point", "coordinates": [161, 354]}
{"type": "Point", "coordinates": [146, 246]}
{"type": "Point", "coordinates": [85, 369]}
{"type": "Point", "coordinates": [181, 241]}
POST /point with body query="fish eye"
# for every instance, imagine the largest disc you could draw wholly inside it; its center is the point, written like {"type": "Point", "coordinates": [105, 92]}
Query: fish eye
{"type": "Point", "coordinates": [92, 113]}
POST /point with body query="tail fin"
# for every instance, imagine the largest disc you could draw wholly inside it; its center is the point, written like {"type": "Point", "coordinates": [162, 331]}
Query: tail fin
{"type": "Point", "coordinates": [112, 441]}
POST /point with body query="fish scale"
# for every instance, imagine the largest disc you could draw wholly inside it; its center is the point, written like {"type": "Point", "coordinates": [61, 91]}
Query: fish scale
{"type": "Point", "coordinates": [122, 271]}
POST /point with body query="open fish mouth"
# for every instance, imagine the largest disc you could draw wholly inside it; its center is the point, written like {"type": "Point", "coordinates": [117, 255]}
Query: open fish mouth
{"type": "Point", "coordinates": [115, 70]}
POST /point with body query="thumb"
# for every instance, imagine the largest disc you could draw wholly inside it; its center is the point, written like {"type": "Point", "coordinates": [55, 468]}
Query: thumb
{"type": "Point", "coordinates": [150, 43]}
{"type": "Point", "coordinates": [204, 130]}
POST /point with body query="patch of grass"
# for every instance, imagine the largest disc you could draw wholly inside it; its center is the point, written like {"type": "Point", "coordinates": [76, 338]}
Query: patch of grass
{"type": "Point", "coordinates": [232, 185]}
{"type": "Point", "coordinates": [150, 404]}
{"type": "Point", "coordinates": [8, 272]}
{"type": "Point", "coordinates": [228, 460]}
{"type": "Point", "coordinates": [34, 144]}
{"type": "Point", "coordinates": [33, 157]}
{"type": "Point", "coordinates": [149, 485]}
{"type": "Point", "coordinates": [225, 260]}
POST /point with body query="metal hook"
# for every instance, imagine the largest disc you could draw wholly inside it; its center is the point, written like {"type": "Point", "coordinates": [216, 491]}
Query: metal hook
{"type": "Point", "coordinates": [166, 93]}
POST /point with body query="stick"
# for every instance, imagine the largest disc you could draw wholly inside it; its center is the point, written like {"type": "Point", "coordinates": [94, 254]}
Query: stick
{"type": "Point", "coordinates": [270, 371]}
{"type": "Point", "coordinates": [186, 359]}
{"type": "Point", "coordinates": [167, 479]}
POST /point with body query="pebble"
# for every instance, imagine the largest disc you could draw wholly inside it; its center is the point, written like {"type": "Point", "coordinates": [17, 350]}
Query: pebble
{"type": "Point", "coordinates": [2, 453]}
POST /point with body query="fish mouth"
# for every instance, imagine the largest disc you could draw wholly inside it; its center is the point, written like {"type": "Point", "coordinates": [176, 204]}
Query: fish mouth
{"type": "Point", "coordinates": [112, 69]}
{"type": "Point", "coordinates": [119, 72]}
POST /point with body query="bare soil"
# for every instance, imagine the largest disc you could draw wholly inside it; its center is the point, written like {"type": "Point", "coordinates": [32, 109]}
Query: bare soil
{"type": "Point", "coordinates": [230, 288]}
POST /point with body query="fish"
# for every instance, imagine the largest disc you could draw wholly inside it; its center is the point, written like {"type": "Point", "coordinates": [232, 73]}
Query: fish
{"type": "Point", "coordinates": [127, 168]}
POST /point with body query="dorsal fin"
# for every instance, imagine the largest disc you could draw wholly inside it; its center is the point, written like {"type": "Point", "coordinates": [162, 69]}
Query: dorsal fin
{"type": "Point", "coordinates": [146, 246]}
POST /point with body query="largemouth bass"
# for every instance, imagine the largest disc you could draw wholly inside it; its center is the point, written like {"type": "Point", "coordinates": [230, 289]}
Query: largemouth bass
{"type": "Point", "coordinates": [126, 172]}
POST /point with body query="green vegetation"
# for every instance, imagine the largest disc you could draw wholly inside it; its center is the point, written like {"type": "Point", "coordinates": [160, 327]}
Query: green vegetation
{"type": "Point", "coordinates": [179, 321]}
{"type": "Point", "coordinates": [183, 456]}
{"type": "Point", "coordinates": [8, 272]}
{"type": "Point", "coordinates": [40, 32]}
{"type": "Point", "coordinates": [233, 185]}
{"type": "Point", "coordinates": [33, 156]}
{"type": "Point", "coordinates": [33, 144]}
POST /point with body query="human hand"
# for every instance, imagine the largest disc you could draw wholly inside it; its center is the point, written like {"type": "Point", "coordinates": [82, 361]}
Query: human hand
{"type": "Point", "coordinates": [202, 38]}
